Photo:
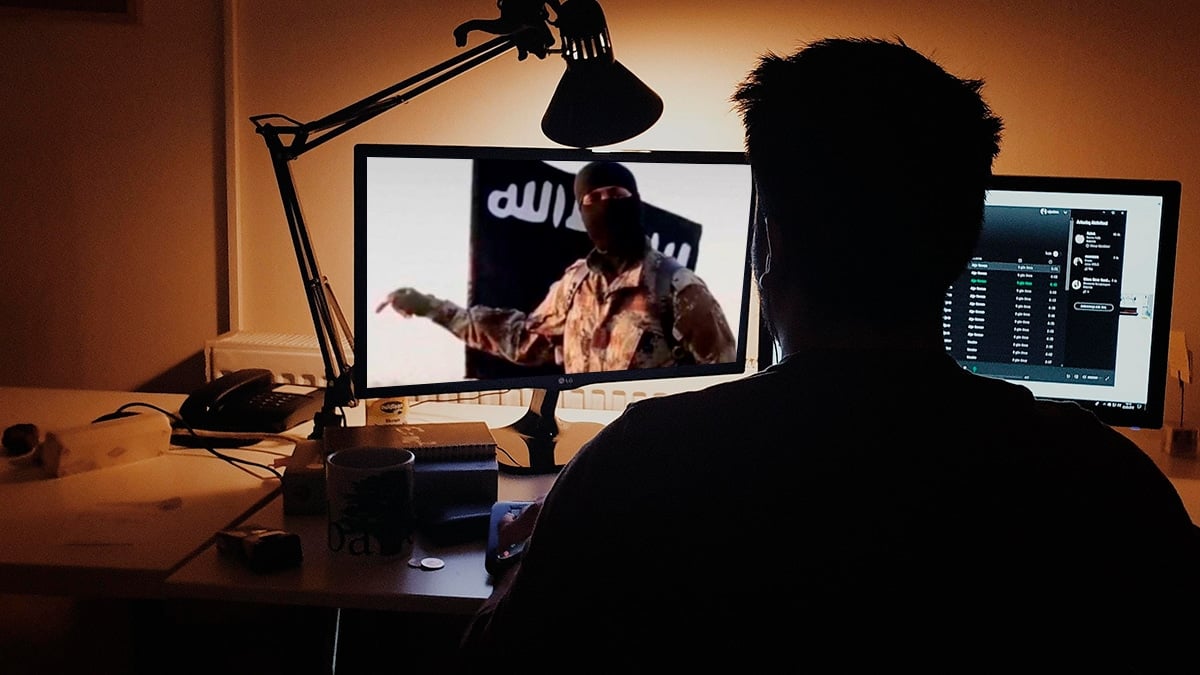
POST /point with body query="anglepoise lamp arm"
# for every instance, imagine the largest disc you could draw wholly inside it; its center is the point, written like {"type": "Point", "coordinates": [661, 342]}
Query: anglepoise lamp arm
{"type": "Point", "coordinates": [287, 140]}
{"type": "Point", "coordinates": [597, 102]}
{"type": "Point", "coordinates": [305, 136]}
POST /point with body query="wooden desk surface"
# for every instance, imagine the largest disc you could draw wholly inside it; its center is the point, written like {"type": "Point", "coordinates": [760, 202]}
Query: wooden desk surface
{"type": "Point", "coordinates": [119, 530]}
{"type": "Point", "coordinates": [124, 530]}
{"type": "Point", "coordinates": [462, 584]}
{"type": "Point", "coordinates": [327, 580]}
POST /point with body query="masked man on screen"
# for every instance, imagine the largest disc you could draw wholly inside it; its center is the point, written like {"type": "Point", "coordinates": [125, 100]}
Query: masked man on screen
{"type": "Point", "coordinates": [625, 305]}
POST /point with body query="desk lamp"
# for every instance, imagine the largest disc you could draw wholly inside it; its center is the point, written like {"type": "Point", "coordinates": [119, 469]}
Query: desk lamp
{"type": "Point", "coordinates": [597, 102]}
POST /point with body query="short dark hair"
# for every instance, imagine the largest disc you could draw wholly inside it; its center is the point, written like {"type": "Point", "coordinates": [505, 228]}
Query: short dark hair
{"type": "Point", "coordinates": [877, 158]}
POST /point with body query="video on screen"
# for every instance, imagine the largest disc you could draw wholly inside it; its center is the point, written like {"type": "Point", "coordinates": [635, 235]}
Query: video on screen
{"type": "Point", "coordinates": [489, 269]}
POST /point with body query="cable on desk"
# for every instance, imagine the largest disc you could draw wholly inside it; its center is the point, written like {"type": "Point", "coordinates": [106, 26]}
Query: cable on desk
{"type": "Point", "coordinates": [254, 436]}
{"type": "Point", "coordinates": [220, 455]}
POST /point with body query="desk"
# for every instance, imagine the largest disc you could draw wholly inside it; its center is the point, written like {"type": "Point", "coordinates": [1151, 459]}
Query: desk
{"type": "Point", "coordinates": [323, 580]}
{"type": "Point", "coordinates": [118, 531]}
{"type": "Point", "coordinates": [146, 529]}
{"type": "Point", "coordinates": [462, 584]}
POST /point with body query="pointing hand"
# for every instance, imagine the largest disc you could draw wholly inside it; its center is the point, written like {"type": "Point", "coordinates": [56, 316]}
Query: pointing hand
{"type": "Point", "coordinates": [409, 302]}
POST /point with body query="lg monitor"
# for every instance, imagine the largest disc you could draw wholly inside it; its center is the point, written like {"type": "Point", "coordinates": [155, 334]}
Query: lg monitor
{"type": "Point", "coordinates": [498, 228]}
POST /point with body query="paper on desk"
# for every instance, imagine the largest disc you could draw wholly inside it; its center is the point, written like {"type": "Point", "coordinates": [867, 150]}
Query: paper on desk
{"type": "Point", "coordinates": [144, 515]}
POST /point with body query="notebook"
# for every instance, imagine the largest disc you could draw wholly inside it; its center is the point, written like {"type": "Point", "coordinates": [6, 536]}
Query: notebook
{"type": "Point", "coordinates": [428, 441]}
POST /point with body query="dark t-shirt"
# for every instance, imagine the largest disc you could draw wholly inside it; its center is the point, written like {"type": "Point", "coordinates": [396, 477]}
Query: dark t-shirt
{"type": "Point", "coordinates": [832, 511]}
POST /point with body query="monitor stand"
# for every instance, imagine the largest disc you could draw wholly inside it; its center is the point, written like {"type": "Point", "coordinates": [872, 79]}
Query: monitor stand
{"type": "Point", "coordinates": [539, 442]}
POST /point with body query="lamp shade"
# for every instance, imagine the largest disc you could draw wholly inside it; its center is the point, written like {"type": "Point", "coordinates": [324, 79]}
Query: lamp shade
{"type": "Point", "coordinates": [598, 101]}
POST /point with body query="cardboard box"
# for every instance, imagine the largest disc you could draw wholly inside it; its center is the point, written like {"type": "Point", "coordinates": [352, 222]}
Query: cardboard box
{"type": "Point", "coordinates": [303, 483]}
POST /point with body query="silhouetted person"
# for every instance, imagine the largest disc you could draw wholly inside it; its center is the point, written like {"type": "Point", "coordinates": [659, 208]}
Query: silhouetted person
{"type": "Point", "coordinates": [866, 504]}
{"type": "Point", "coordinates": [625, 305]}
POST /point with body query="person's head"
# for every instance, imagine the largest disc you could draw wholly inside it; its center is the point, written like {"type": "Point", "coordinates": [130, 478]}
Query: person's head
{"type": "Point", "coordinates": [871, 162]}
{"type": "Point", "coordinates": [610, 207]}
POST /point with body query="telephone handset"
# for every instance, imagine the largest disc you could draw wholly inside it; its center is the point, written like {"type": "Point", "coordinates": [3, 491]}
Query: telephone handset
{"type": "Point", "coordinates": [250, 400]}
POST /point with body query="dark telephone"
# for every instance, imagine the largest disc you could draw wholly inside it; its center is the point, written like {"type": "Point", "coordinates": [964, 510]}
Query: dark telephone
{"type": "Point", "coordinates": [250, 400]}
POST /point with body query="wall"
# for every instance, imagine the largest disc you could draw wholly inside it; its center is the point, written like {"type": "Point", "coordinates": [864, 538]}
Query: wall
{"type": "Point", "coordinates": [112, 216]}
{"type": "Point", "coordinates": [1105, 88]}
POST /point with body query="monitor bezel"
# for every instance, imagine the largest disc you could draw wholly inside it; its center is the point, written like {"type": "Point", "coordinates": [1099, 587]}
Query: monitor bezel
{"type": "Point", "coordinates": [1152, 416]}
{"type": "Point", "coordinates": [363, 152]}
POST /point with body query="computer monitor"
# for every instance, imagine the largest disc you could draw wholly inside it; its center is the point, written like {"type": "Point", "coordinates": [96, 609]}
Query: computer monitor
{"type": "Point", "coordinates": [1069, 292]}
{"type": "Point", "coordinates": [497, 227]}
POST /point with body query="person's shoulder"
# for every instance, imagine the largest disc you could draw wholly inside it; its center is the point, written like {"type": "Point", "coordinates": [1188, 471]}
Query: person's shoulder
{"type": "Point", "coordinates": [573, 276]}
{"type": "Point", "coordinates": [577, 268]}
{"type": "Point", "coordinates": [1065, 425]}
{"type": "Point", "coordinates": [666, 437]}
{"type": "Point", "coordinates": [670, 272]}
{"type": "Point", "coordinates": [716, 395]}
{"type": "Point", "coordinates": [1071, 420]}
{"type": "Point", "coordinates": [1112, 461]}
{"type": "Point", "coordinates": [705, 411]}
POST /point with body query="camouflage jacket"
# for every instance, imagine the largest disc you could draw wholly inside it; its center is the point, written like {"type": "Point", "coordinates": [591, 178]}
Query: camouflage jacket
{"type": "Point", "coordinates": [652, 314]}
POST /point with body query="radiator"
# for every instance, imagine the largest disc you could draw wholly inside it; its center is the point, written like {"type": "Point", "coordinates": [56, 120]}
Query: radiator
{"type": "Point", "coordinates": [296, 359]}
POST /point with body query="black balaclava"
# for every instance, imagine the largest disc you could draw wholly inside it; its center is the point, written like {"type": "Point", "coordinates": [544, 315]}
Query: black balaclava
{"type": "Point", "coordinates": [614, 225]}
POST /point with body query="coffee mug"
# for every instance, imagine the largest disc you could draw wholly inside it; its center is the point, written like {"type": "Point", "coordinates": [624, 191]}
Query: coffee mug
{"type": "Point", "coordinates": [370, 495]}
